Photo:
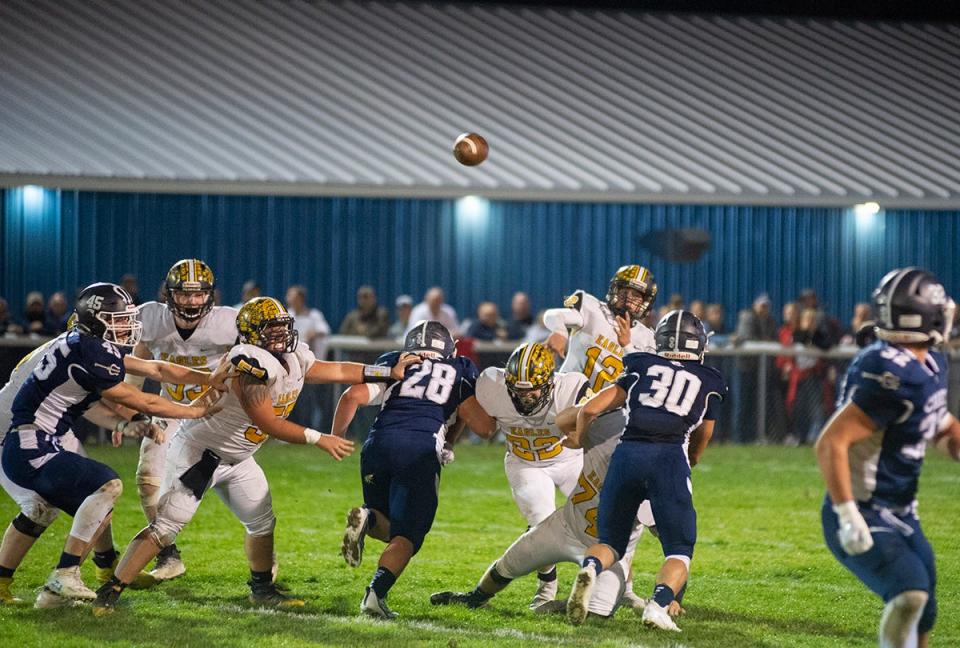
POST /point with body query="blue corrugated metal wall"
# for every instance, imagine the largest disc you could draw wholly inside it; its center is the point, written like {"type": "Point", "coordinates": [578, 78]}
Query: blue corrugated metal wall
{"type": "Point", "coordinates": [52, 240]}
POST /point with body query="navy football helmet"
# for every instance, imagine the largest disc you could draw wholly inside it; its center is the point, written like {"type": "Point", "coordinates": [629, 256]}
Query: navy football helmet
{"type": "Point", "coordinates": [912, 307]}
{"type": "Point", "coordinates": [430, 337]}
{"type": "Point", "coordinates": [680, 336]}
{"type": "Point", "coordinates": [107, 311]}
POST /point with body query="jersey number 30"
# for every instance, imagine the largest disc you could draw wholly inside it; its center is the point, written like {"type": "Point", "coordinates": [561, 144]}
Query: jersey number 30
{"type": "Point", "coordinates": [675, 391]}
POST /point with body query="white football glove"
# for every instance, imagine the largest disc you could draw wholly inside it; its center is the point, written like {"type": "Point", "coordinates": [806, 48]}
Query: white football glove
{"type": "Point", "coordinates": [446, 455]}
{"type": "Point", "coordinates": [854, 534]}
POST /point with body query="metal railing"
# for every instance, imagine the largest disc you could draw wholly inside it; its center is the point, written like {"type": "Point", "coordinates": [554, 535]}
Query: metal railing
{"type": "Point", "coordinates": [771, 400]}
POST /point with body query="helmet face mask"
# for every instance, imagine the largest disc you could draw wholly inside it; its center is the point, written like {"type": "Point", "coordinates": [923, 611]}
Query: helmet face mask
{"type": "Point", "coordinates": [189, 287]}
{"type": "Point", "coordinates": [529, 378]}
{"type": "Point", "coordinates": [107, 311]}
{"type": "Point", "coordinates": [632, 292]}
{"type": "Point", "coordinates": [264, 322]}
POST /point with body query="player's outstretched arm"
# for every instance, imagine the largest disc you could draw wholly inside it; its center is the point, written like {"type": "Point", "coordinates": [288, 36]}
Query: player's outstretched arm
{"type": "Point", "coordinates": [140, 351]}
{"type": "Point", "coordinates": [355, 397]}
{"type": "Point", "coordinates": [168, 372]}
{"type": "Point", "coordinates": [567, 419]}
{"type": "Point", "coordinates": [129, 396]}
{"type": "Point", "coordinates": [847, 426]}
{"type": "Point", "coordinates": [482, 424]}
{"type": "Point", "coordinates": [558, 321]}
{"type": "Point", "coordinates": [254, 397]}
{"type": "Point", "coordinates": [608, 398]}
{"type": "Point", "coordinates": [352, 373]}
{"type": "Point", "coordinates": [699, 440]}
{"type": "Point", "coordinates": [948, 439]}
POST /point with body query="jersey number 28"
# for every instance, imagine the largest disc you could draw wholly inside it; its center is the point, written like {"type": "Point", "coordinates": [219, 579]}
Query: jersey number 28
{"type": "Point", "coordinates": [442, 377]}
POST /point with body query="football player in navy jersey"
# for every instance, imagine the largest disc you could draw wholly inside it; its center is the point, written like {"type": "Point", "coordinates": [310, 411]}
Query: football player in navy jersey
{"type": "Point", "coordinates": [82, 365]}
{"type": "Point", "coordinates": [671, 400]}
{"type": "Point", "coordinates": [401, 458]}
{"type": "Point", "coordinates": [871, 451]}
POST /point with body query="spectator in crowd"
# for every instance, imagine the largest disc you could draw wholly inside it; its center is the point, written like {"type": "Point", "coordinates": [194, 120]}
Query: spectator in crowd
{"type": "Point", "coordinates": [433, 307]}
{"type": "Point", "coordinates": [488, 326]}
{"type": "Point", "coordinates": [7, 325]}
{"type": "Point", "coordinates": [806, 393]}
{"type": "Point", "coordinates": [784, 364]}
{"type": "Point", "coordinates": [827, 331]}
{"type": "Point", "coordinates": [716, 319]}
{"type": "Point", "coordinates": [250, 290]}
{"type": "Point", "coordinates": [699, 310]}
{"type": "Point", "coordinates": [675, 302]}
{"type": "Point", "coordinates": [755, 324]}
{"type": "Point", "coordinates": [403, 306]}
{"type": "Point", "coordinates": [537, 331]}
{"type": "Point", "coordinates": [34, 316]}
{"type": "Point", "coordinates": [129, 283]}
{"type": "Point", "coordinates": [862, 312]}
{"type": "Point", "coordinates": [308, 322]}
{"type": "Point", "coordinates": [368, 319]}
{"type": "Point", "coordinates": [57, 315]}
{"type": "Point", "coordinates": [313, 330]}
{"type": "Point", "coordinates": [521, 316]}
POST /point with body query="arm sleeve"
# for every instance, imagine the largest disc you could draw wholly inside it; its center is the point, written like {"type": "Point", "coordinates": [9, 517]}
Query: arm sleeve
{"type": "Point", "coordinates": [561, 320]}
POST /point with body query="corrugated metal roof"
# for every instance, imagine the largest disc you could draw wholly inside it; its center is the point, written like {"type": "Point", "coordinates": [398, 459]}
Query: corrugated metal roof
{"type": "Point", "coordinates": [366, 98]}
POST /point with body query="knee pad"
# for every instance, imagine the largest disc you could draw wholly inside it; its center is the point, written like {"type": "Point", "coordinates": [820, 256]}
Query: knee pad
{"type": "Point", "coordinates": [161, 535]}
{"type": "Point", "coordinates": [900, 617]}
{"type": "Point", "coordinates": [39, 512]}
{"type": "Point", "coordinates": [28, 527]}
{"type": "Point", "coordinates": [114, 487]}
{"type": "Point", "coordinates": [262, 525]}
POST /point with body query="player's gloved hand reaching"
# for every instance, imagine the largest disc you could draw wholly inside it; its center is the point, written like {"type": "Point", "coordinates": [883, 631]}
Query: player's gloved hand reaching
{"type": "Point", "coordinates": [405, 361]}
{"type": "Point", "coordinates": [152, 428]}
{"type": "Point", "coordinates": [854, 534]}
{"type": "Point", "coordinates": [335, 446]}
{"type": "Point", "coordinates": [446, 455]}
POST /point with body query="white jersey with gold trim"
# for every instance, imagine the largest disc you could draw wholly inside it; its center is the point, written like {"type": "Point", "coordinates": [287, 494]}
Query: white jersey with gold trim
{"type": "Point", "coordinates": [229, 432]}
{"type": "Point", "coordinates": [593, 348]}
{"type": "Point", "coordinates": [536, 438]}
{"type": "Point", "coordinates": [215, 334]}
{"type": "Point", "coordinates": [580, 510]}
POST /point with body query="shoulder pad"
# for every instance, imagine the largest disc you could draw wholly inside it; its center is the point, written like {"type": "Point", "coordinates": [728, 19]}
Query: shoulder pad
{"type": "Point", "coordinates": [388, 359]}
{"type": "Point", "coordinates": [576, 300]}
{"type": "Point", "coordinates": [254, 362]}
{"type": "Point", "coordinates": [493, 374]}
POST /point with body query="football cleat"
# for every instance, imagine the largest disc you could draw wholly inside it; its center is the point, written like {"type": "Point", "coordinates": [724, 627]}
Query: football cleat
{"type": "Point", "coordinates": [6, 596]}
{"type": "Point", "coordinates": [556, 606]}
{"type": "Point", "coordinates": [66, 582]}
{"type": "Point", "coordinates": [353, 536]}
{"type": "Point", "coordinates": [372, 605]}
{"type": "Point", "coordinates": [469, 599]}
{"type": "Point", "coordinates": [107, 597]}
{"type": "Point", "coordinates": [169, 565]}
{"type": "Point", "coordinates": [631, 600]}
{"type": "Point", "coordinates": [47, 600]}
{"type": "Point", "coordinates": [580, 595]}
{"type": "Point", "coordinates": [546, 592]}
{"type": "Point", "coordinates": [143, 580]}
{"type": "Point", "coordinates": [269, 596]}
{"type": "Point", "coordinates": [655, 616]}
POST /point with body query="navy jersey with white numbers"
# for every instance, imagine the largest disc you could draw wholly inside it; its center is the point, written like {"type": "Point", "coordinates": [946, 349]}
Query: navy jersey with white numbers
{"type": "Point", "coordinates": [668, 399]}
{"type": "Point", "coordinates": [427, 397]}
{"type": "Point", "coordinates": [907, 400]}
{"type": "Point", "coordinates": [68, 379]}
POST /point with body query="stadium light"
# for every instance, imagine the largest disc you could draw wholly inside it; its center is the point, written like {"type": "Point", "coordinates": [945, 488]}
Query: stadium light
{"type": "Point", "coordinates": [472, 210]}
{"type": "Point", "coordinates": [32, 197]}
{"type": "Point", "coordinates": [864, 213]}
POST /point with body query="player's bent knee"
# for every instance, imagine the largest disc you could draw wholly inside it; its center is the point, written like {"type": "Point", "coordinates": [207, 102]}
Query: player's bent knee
{"type": "Point", "coordinates": [681, 557]}
{"type": "Point", "coordinates": [113, 488]}
{"type": "Point", "coordinates": [28, 527]}
{"type": "Point", "coordinates": [929, 616]}
{"type": "Point", "coordinates": [262, 525]}
{"type": "Point", "coordinates": [161, 533]}
{"type": "Point", "coordinates": [39, 512]}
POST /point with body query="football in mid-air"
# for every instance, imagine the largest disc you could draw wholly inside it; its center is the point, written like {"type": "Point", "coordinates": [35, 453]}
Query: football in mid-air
{"type": "Point", "coordinates": [470, 149]}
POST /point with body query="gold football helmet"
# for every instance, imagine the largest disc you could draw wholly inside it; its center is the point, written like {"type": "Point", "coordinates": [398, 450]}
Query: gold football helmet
{"type": "Point", "coordinates": [189, 288]}
{"type": "Point", "coordinates": [264, 322]}
{"type": "Point", "coordinates": [529, 377]}
{"type": "Point", "coordinates": [632, 292]}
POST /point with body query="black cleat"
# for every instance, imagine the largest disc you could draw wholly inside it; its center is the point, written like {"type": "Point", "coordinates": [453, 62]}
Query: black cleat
{"type": "Point", "coordinates": [107, 597]}
{"type": "Point", "coordinates": [470, 599]}
{"type": "Point", "coordinates": [268, 595]}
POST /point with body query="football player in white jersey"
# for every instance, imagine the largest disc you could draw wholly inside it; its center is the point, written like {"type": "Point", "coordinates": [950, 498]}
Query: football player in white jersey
{"type": "Point", "coordinates": [187, 330]}
{"type": "Point", "coordinates": [217, 452]}
{"type": "Point", "coordinates": [593, 336]}
{"type": "Point", "coordinates": [36, 514]}
{"type": "Point", "coordinates": [564, 536]}
{"type": "Point", "coordinates": [525, 399]}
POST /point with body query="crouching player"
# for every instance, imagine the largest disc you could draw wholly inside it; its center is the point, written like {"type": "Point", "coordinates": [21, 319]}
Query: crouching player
{"type": "Point", "coordinates": [217, 452]}
{"type": "Point", "coordinates": [69, 376]}
{"type": "Point", "coordinates": [671, 399]}
{"type": "Point", "coordinates": [400, 461]}
{"type": "Point", "coordinates": [525, 399]}
{"type": "Point", "coordinates": [871, 452]}
{"type": "Point", "coordinates": [565, 535]}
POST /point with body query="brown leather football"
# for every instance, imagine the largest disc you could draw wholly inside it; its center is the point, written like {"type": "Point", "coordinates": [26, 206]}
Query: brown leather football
{"type": "Point", "coordinates": [470, 149]}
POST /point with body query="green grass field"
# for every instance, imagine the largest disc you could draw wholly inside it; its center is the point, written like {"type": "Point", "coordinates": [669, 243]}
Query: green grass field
{"type": "Point", "coordinates": [761, 576]}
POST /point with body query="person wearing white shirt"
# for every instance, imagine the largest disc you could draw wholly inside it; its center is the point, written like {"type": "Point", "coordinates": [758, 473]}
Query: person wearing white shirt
{"type": "Point", "coordinates": [433, 308]}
